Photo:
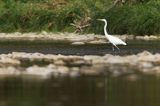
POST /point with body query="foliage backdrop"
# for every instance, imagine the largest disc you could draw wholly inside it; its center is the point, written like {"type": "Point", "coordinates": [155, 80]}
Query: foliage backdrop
{"type": "Point", "coordinates": [138, 17]}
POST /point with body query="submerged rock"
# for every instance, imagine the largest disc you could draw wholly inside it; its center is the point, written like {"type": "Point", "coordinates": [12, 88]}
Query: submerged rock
{"type": "Point", "coordinates": [78, 43]}
{"type": "Point", "coordinates": [44, 66]}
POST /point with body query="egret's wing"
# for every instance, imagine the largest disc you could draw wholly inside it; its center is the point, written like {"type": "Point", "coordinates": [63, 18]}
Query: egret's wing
{"type": "Point", "coordinates": [116, 40]}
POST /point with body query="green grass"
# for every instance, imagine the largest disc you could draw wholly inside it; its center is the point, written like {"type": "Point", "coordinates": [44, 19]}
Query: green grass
{"type": "Point", "coordinates": [141, 19]}
{"type": "Point", "coordinates": [138, 18]}
{"type": "Point", "coordinates": [38, 15]}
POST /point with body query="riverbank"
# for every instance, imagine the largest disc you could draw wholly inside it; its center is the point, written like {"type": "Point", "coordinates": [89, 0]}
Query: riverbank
{"type": "Point", "coordinates": [42, 66]}
{"type": "Point", "coordinates": [64, 38]}
{"type": "Point", "coordinates": [68, 55]}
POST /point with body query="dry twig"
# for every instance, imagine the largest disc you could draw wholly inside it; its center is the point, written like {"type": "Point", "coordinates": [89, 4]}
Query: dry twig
{"type": "Point", "coordinates": [81, 24]}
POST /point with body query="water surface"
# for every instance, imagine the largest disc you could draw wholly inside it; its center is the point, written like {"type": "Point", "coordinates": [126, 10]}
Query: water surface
{"type": "Point", "coordinates": [132, 47]}
{"type": "Point", "coordinates": [80, 91]}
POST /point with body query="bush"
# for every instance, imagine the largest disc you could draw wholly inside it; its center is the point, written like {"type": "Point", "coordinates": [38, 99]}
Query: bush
{"type": "Point", "coordinates": [138, 18]}
{"type": "Point", "coordinates": [141, 19]}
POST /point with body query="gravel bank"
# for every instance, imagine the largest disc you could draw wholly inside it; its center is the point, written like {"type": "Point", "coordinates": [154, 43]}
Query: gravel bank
{"type": "Point", "coordinates": [44, 66]}
{"type": "Point", "coordinates": [69, 38]}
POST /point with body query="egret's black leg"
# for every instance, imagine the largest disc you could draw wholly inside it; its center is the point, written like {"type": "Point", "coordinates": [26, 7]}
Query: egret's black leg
{"type": "Point", "coordinates": [117, 47]}
{"type": "Point", "coordinates": [112, 48]}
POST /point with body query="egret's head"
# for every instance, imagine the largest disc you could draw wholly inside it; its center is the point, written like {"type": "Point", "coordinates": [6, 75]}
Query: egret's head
{"type": "Point", "coordinates": [104, 20]}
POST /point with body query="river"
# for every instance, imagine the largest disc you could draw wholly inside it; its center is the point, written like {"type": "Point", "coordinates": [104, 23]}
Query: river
{"type": "Point", "coordinates": [136, 90]}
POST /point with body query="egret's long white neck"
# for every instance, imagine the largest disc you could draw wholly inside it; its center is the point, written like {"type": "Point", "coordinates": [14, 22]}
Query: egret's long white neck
{"type": "Point", "coordinates": [105, 29]}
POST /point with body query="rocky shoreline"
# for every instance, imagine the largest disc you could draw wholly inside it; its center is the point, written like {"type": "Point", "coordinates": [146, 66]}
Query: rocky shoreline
{"type": "Point", "coordinates": [42, 66]}
{"type": "Point", "coordinates": [38, 65]}
{"type": "Point", "coordinates": [62, 38]}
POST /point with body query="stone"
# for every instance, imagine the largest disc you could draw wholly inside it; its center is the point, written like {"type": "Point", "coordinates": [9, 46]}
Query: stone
{"type": "Point", "coordinates": [63, 70]}
{"type": "Point", "coordinates": [46, 65]}
{"type": "Point", "coordinates": [37, 71]}
{"type": "Point", "coordinates": [78, 43]}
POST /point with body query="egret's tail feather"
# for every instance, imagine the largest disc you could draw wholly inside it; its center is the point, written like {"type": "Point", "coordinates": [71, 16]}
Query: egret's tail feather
{"type": "Point", "coordinates": [124, 43]}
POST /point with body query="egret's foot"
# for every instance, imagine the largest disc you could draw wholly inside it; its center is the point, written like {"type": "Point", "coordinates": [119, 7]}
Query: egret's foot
{"type": "Point", "coordinates": [117, 47]}
{"type": "Point", "coordinates": [113, 48]}
{"type": "Point", "coordinates": [119, 50]}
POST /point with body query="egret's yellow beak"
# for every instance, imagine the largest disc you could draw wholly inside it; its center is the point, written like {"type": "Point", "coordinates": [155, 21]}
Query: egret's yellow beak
{"type": "Point", "coordinates": [99, 19]}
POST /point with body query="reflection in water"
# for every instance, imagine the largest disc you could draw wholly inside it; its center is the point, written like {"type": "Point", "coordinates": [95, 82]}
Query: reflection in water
{"type": "Point", "coordinates": [80, 91]}
{"type": "Point", "coordinates": [143, 92]}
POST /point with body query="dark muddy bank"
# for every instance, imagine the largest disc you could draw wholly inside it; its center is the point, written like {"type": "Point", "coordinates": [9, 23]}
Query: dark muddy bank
{"type": "Point", "coordinates": [73, 44]}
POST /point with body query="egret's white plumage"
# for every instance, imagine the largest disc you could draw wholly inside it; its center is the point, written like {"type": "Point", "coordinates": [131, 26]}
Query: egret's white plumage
{"type": "Point", "coordinates": [112, 39]}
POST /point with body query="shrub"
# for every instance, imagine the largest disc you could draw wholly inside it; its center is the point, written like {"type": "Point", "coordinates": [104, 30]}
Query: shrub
{"type": "Point", "coordinates": [139, 18]}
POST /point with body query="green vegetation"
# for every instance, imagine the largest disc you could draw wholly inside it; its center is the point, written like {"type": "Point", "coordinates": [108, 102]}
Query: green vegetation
{"type": "Point", "coordinates": [139, 17]}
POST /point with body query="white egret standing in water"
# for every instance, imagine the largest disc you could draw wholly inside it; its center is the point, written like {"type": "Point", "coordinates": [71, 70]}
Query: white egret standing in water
{"type": "Point", "coordinates": [112, 39]}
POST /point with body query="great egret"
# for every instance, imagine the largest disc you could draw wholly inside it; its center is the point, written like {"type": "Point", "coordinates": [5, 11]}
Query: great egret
{"type": "Point", "coordinates": [112, 39]}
